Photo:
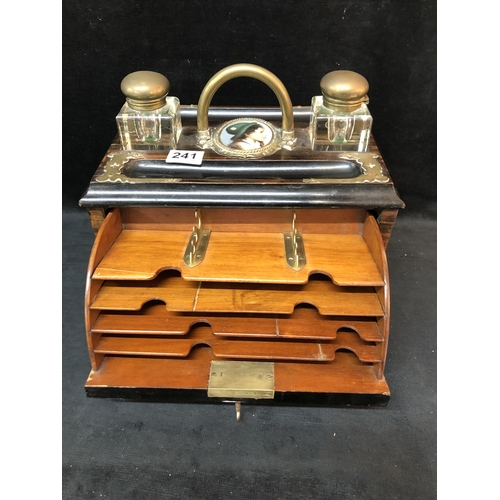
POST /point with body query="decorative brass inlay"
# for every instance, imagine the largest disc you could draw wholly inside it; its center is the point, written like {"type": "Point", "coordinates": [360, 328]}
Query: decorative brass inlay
{"type": "Point", "coordinates": [113, 170]}
{"type": "Point", "coordinates": [241, 379]}
{"type": "Point", "coordinates": [197, 245]}
{"type": "Point", "coordinates": [294, 248]}
{"type": "Point", "coordinates": [371, 168]}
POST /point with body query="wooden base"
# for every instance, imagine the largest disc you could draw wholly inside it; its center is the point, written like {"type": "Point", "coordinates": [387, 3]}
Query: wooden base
{"type": "Point", "coordinates": [196, 396]}
{"type": "Point", "coordinates": [346, 381]}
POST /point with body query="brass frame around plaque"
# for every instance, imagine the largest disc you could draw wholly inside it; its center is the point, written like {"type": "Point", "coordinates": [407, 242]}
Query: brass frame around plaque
{"type": "Point", "coordinates": [241, 379]}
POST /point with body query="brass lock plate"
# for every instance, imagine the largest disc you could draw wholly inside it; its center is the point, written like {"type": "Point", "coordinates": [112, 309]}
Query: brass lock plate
{"type": "Point", "coordinates": [241, 380]}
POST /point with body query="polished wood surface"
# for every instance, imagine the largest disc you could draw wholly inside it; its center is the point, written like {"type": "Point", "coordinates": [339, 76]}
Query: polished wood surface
{"type": "Point", "coordinates": [245, 246]}
{"type": "Point", "coordinates": [255, 349]}
{"type": "Point", "coordinates": [183, 295]}
{"type": "Point", "coordinates": [237, 257]}
{"type": "Point", "coordinates": [346, 374]}
{"type": "Point", "coordinates": [303, 323]}
{"type": "Point", "coordinates": [153, 322]}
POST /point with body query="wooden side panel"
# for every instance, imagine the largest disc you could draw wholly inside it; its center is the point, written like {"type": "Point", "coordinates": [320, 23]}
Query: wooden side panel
{"type": "Point", "coordinates": [97, 216]}
{"type": "Point", "coordinates": [109, 231]}
{"type": "Point", "coordinates": [374, 241]}
{"type": "Point", "coordinates": [386, 221]}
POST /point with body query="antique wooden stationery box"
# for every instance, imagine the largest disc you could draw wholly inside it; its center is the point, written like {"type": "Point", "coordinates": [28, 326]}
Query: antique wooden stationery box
{"type": "Point", "coordinates": [242, 278]}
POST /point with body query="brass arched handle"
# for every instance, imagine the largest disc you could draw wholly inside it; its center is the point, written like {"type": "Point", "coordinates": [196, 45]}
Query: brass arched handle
{"type": "Point", "coordinates": [253, 71]}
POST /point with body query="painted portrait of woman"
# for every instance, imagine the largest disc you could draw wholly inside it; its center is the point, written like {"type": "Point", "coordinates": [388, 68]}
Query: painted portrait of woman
{"type": "Point", "coordinates": [247, 135]}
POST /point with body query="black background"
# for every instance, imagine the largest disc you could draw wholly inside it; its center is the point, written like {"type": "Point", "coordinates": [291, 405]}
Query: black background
{"type": "Point", "coordinates": [124, 450]}
{"type": "Point", "coordinates": [392, 43]}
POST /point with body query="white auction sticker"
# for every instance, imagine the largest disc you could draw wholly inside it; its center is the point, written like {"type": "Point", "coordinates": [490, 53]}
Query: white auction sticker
{"type": "Point", "coordinates": [185, 157]}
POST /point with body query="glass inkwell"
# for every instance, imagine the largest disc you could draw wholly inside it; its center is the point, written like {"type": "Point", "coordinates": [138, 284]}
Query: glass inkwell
{"type": "Point", "coordinates": [149, 119]}
{"type": "Point", "coordinates": [340, 119]}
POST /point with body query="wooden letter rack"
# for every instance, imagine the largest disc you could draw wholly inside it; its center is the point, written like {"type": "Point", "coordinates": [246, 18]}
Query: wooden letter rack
{"type": "Point", "coordinates": [269, 286]}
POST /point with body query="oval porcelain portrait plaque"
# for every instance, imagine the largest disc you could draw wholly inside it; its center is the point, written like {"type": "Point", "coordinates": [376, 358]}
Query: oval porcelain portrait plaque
{"type": "Point", "coordinates": [246, 138]}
